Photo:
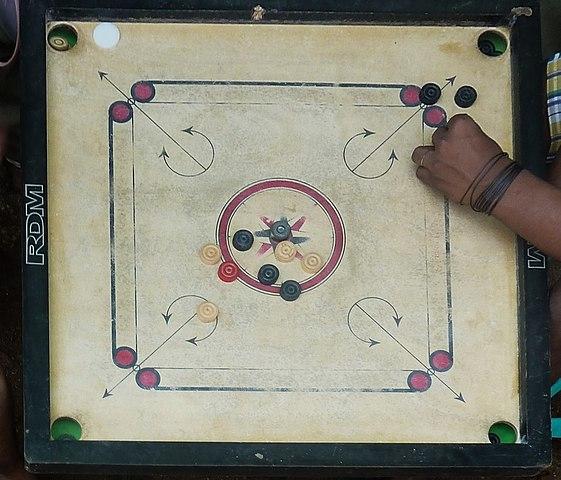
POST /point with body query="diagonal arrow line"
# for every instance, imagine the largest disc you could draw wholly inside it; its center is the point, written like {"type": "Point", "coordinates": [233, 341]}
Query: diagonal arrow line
{"type": "Point", "coordinates": [393, 337]}
{"type": "Point", "coordinates": [167, 339]}
{"type": "Point", "coordinates": [458, 395]}
{"type": "Point", "coordinates": [105, 76]}
{"type": "Point", "coordinates": [396, 316]}
{"type": "Point", "coordinates": [365, 133]}
{"type": "Point", "coordinates": [370, 340]}
{"type": "Point", "coordinates": [449, 81]}
{"type": "Point", "coordinates": [108, 392]}
{"type": "Point", "coordinates": [388, 138]}
{"type": "Point", "coordinates": [165, 157]}
{"type": "Point", "coordinates": [169, 136]}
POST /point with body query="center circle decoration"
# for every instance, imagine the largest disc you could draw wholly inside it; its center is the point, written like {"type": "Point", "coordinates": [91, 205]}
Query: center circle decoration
{"type": "Point", "coordinates": [282, 214]}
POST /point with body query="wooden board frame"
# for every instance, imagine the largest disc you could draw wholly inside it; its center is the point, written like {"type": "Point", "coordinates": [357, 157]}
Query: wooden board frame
{"type": "Point", "coordinates": [44, 455]}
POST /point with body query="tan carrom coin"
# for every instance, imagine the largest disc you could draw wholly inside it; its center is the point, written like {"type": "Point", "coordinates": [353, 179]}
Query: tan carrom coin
{"type": "Point", "coordinates": [285, 251]}
{"type": "Point", "coordinates": [210, 254]}
{"type": "Point", "coordinates": [207, 312]}
{"type": "Point", "coordinates": [312, 262]}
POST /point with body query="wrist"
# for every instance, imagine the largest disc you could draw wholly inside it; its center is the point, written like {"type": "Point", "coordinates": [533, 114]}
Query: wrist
{"type": "Point", "coordinates": [491, 175]}
{"type": "Point", "coordinates": [491, 188]}
{"type": "Point", "coordinates": [514, 195]}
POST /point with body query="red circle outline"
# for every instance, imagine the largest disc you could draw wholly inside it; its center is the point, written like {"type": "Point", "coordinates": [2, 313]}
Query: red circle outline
{"type": "Point", "coordinates": [116, 117]}
{"type": "Point", "coordinates": [417, 376]}
{"type": "Point", "coordinates": [410, 91]}
{"type": "Point", "coordinates": [124, 350]}
{"type": "Point", "coordinates": [431, 111]}
{"type": "Point", "coordinates": [143, 84]}
{"type": "Point", "coordinates": [280, 183]}
{"type": "Point", "coordinates": [154, 381]}
{"type": "Point", "coordinates": [439, 356]}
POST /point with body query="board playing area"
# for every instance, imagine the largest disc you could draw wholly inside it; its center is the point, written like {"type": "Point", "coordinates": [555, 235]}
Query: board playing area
{"type": "Point", "coordinates": [399, 320]}
{"type": "Point", "coordinates": [240, 251]}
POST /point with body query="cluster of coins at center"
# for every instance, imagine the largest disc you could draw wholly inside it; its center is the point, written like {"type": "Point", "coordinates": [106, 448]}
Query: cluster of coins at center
{"type": "Point", "coordinates": [285, 251]}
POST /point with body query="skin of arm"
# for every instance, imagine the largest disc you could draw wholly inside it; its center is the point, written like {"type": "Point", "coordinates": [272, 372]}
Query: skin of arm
{"type": "Point", "coordinates": [531, 207]}
{"type": "Point", "coordinates": [554, 174]}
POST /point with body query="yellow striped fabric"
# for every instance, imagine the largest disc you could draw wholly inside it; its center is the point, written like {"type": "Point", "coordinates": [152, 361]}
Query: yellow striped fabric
{"type": "Point", "coordinates": [554, 103]}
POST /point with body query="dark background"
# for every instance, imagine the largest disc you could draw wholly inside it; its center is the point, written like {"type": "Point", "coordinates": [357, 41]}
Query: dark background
{"type": "Point", "coordinates": [10, 294]}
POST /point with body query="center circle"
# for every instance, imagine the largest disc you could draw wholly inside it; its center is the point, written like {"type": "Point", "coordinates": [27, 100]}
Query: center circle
{"type": "Point", "coordinates": [280, 211]}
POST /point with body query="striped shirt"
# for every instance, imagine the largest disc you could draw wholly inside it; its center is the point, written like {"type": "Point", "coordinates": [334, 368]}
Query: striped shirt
{"type": "Point", "coordinates": [554, 103]}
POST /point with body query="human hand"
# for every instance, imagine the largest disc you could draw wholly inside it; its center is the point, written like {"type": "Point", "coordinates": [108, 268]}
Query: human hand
{"type": "Point", "coordinates": [460, 151]}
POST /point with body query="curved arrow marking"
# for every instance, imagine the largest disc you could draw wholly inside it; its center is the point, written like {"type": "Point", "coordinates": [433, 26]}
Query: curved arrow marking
{"type": "Point", "coordinates": [165, 156]}
{"type": "Point", "coordinates": [105, 76]}
{"type": "Point", "coordinates": [192, 131]}
{"type": "Point", "coordinates": [449, 81]}
{"type": "Point", "coordinates": [392, 158]}
{"type": "Point", "coordinates": [167, 315]}
{"type": "Point", "coordinates": [387, 139]}
{"type": "Point", "coordinates": [195, 341]}
{"type": "Point", "coordinates": [108, 393]}
{"type": "Point", "coordinates": [458, 396]}
{"type": "Point", "coordinates": [396, 317]}
{"type": "Point", "coordinates": [364, 134]}
{"type": "Point", "coordinates": [370, 341]}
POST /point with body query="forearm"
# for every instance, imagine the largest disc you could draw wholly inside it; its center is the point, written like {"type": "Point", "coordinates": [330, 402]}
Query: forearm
{"type": "Point", "coordinates": [532, 208]}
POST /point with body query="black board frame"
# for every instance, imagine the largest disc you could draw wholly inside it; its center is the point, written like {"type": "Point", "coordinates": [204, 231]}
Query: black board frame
{"type": "Point", "coordinates": [44, 455]}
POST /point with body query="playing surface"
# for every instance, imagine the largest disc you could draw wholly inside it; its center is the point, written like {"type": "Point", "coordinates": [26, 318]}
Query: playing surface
{"type": "Point", "coordinates": [405, 331]}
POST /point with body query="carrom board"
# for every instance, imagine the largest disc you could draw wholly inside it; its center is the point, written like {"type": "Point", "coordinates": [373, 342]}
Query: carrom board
{"type": "Point", "coordinates": [169, 174]}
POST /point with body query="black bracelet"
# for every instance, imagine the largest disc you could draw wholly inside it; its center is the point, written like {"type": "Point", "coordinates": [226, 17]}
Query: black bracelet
{"type": "Point", "coordinates": [495, 191]}
{"type": "Point", "coordinates": [501, 187]}
{"type": "Point", "coordinates": [483, 173]}
{"type": "Point", "coordinates": [488, 198]}
{"type": "Point", "coordinates": [512, 175]}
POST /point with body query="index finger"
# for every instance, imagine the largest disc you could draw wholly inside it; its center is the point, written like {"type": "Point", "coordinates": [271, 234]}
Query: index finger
{"type": "Point", "coordinates": [423, 156]}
